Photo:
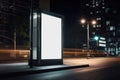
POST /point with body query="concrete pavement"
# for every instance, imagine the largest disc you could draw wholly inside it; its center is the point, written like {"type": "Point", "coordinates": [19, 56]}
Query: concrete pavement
{"type": "Point", "coordinates": [12, 69]}
{"type": "Point", "coordinates": [69, 63]}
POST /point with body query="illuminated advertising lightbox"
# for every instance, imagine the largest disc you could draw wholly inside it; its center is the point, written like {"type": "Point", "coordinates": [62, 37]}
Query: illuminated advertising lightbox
{"type": "Point", "coordinates": [46, 38]}
{"type": "Point", "coordinates": [51, 37]}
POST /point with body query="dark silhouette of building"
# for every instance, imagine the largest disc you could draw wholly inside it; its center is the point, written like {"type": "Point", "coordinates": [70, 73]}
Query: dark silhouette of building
{"type": "Point", "coordinates": [107, 14]}
{"type": "Point", "coordinates": [95, 10]}
{"type": "Point", "coordinates": [113, 27]}
{"type": "Point", "coordinates": [14, 20]}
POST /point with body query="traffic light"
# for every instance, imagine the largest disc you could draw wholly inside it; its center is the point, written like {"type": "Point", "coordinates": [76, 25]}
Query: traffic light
{"type": "Point", "coordinates": [96, 38]}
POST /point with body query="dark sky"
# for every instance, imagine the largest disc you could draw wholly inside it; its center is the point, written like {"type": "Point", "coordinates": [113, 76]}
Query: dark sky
{"type": "Point", "coordinates": [69, 9]}
{"type": "Point", "coordinates": [65, 5]}
{"type": "Point", "coordinates": [74, 34]}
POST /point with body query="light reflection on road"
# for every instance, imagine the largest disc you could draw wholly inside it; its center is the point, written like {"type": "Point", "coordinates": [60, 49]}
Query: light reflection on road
{"type": "Point", "coordinates": [11, 54]}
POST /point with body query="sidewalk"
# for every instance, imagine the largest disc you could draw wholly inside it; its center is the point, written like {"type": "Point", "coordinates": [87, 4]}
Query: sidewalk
{"type": "Point", "coordinates": [23, 68]}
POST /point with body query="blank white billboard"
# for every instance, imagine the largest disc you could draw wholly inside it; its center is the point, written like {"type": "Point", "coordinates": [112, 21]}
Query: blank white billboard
{"type": "Point", "coordinates": [51, 37]}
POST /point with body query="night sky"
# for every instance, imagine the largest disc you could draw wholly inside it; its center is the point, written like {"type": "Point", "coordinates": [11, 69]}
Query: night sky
{"type": "Point", "coordinates": [74, 33]}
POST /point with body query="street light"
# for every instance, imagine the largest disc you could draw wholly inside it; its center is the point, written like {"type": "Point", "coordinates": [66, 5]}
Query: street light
{"type": "Point", "coordinates": [94, 22]}
{"type": "Point", "coordinates": [96, 38]}
{"type": "Point", "coordinates": [83, 22]}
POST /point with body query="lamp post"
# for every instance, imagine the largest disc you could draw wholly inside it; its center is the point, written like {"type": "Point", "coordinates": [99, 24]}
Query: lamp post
{"type": "Point", "coordinates": [93, 22]}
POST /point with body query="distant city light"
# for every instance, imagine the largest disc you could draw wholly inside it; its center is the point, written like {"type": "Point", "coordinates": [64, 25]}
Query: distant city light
{"type": "Point", "coordinates": [102, 38]}
{"type": "Point", "coordinates": [102, 41]}
{"type": "Point", "coordinates": [83, 21]}
{"type": "Point", "coordinates": [102, 45]}
{"type": "Point", "coordinates": [96, 38]}
{"type": "Point", "coordinates": [94, 22]}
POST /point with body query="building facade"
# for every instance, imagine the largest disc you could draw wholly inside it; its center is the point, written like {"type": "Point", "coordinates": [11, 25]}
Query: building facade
{"type": "Point", "coordinates": [113, 27]}
{"type": "Point", "coordinates": [95, 10]}
{"type": "Point", "coordinates": [14, 21]}
{"type": "Point", "coordinates": [106, 13]}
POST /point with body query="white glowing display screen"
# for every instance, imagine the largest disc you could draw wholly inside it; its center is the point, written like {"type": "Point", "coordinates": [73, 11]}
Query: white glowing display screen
{"type": "Point", "coordinates": [51, 36]}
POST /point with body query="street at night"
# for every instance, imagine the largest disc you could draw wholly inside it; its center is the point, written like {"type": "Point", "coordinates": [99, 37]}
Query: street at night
{"type": "Point", "coordinates": [59, 40]}
{"type": "Point", "coordinates": [106, 68]}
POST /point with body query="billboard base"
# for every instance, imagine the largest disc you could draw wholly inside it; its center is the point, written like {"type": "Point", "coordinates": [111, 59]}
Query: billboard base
{"type": "Point", "coordinates": [46, 62]}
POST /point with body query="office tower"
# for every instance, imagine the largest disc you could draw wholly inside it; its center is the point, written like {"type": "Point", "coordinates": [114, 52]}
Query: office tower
{"type": "Point", "coordinates": [113, 27]}
{"type": "Point", "coordinates": [106, 13]}
{"type": "Point", "coordinates": [95, 10]}
{"type": "Point", "coordinates": [14, 18]}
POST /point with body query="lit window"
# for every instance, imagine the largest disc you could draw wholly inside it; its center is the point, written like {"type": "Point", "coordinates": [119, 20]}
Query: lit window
{"type": "Point", "coordinates": [93, 5]}
{"type": "Point", "coordinates": [91, 12]}
{"type": "Point", "coordinates": [97, 11]}
{"type": "Point", "coordinates": [103, 7]}
{"type": "Point", "coordinates": [113, 33]}
{"type": "Point", "coordinates": [99, 25]}
{"type": "Point", "coordinates": [97, 4]}
{"type": "Point", "coordinates": [103, 3]}
{"type": "Point", "coordinates": [87, 4]}
{"type": "Point", "coordinates": [109, 40]}
{"type": "Point", "coordinates": [93, 33]}
{"type": "Point", "coordinates": [112, 28]}
{"type": "Point", "coordinates": [107, 22]}
{"type": "Point", "coordinates": [98, 18]}
{"type": "Point", "coordinates": [106, 10]}
{"type": "Point", "coordinates": [111, 43]}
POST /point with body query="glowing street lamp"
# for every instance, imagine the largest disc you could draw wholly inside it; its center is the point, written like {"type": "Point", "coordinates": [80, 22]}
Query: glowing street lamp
{"type": "Point", "coordinates": [83, 22]}
{"type": "Point", "coordinates": [94, 22]}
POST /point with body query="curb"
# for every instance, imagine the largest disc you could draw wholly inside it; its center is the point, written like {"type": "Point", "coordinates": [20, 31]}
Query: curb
{"type": "Point", "coordinates": [28, 72]}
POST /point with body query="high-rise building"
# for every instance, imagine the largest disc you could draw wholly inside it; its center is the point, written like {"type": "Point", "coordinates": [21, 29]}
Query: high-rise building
{"type": "Point", "coordinates": [106, 13]}
{"type": "Point", "coordinates": [95, 9]}
{"type": "Point", "coordinates": [113, 27]}
{"type": "Point", "coordinates": [14, 18]}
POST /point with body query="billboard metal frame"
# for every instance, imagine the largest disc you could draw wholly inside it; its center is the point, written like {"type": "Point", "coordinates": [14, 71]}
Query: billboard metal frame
{"type": "Point", "coordinates": [35, 40]}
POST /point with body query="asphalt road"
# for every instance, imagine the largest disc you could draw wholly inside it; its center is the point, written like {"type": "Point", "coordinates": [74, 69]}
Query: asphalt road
{"type": "Point", "coordinates": [100, 69]}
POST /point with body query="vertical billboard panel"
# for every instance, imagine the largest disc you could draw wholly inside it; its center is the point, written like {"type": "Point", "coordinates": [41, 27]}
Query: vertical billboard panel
{"type": "Point", "coordinates": [51, 37]}
{"type": "Point", "coordinates": [46, 39]}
